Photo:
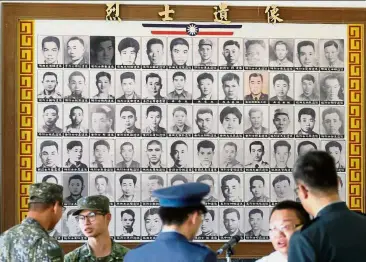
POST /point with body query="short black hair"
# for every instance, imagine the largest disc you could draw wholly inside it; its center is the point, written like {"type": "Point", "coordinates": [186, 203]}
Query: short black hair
{"type": "Point", "coordinates": [317, 170]}
{"type": "Point", "coordinates": [177, 216]}
{"type": "Point", "coordinates": [301, 213]}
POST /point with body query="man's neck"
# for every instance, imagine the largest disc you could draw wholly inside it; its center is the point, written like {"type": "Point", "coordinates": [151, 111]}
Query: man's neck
{"type": "Point", "coordinates": [101, 246]}
{"type": "Point", "coordinates": [42, 219]}
{"type": "Point", "coordinates": [180, 229]}
{"type": "Point", "coordinates": [179, 92]}
{"type": "Point", "coordinates": [75, 196]}
{"type": "Point", "coordinates": [76, 62]}
{"type": "Point", "coordinates": [256, 232]}
{"type": "Point", "coordinates": [75, 125]}
{"type": "Point", "coordinates": [128, 163]}
{"type": "Point", "coordinates": [157, 165]}
{"type": "Point", "coordinates": [321, 202]}
{"type": "Point", "coordinates": [50, 92]}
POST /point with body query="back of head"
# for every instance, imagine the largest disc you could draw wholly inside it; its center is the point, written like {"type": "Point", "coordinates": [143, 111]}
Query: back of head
{"type": "Point", "coordinates": [43, 195]}
{"type": "Point", "coordinates": [301, 213]}
{"type": "Point", "coordinates": [317, 170]}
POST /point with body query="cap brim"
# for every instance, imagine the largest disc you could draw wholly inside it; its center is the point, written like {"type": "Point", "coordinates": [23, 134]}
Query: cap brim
{"type": "Point", "coordinates": [78, 211]}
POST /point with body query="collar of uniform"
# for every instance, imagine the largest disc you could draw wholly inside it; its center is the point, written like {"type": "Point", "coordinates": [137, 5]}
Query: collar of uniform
{"type": "Point", "coordinates": [32, 221]}
{"type": "Point", "coordinates": [332, 207]}
{"type": "Point", "coordinates": [115, 251]}
{"type": "Point", "coordinates": [171, 234]}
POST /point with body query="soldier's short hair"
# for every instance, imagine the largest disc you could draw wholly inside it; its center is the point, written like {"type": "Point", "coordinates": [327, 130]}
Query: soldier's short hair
{"type": "Point", "coordinates": [50, 74]}
{"type": "Point", "coordinates": [180, 108]}
{"type": "Point", "coordinates": [101, 74]}
{"type": "Point", "coordinates": [254, 178]}
{"type": "Point", "coordinates": [205, 76]}
{"type": "Point", "coordinates": [230, 110]}
{"type": "Point", "coordinates": [178, 41]}
{"type": "Point", "coordinates": [130, 109]}
{"type": "Point", "coordinates": [205, 144]}
{"type": "Point", "coordinates": [281, 77]}
{"type": "Point", "coordinates": [129, 212]}
{"type": "Point", "coordinates": [101, 143]}
{"type": "Point", "coordinates": [156, 142]}
{"type": "Point", "coordinates": [76, 73]}
{"type": "Point", "coordinates": [175, 143]}
{"type": "Point", "coordinates": [129, 42]}
{"type": "Point", "coordinates": [76, 177]}
{"type": "Point", "coordinates": [51, 39]}
{"type": "Point", "coordinates": [231, 210]}
{"type": "Point", "coordinates": [101, 177]}
{"type": "Point", "coordinates": [281, 143]}
{"type": "Point", "coordinates": [231, 42]}
{"type": "Point", "coordinates": [333, 144]}
{"type": "Point", "coordinates": [256, 143]}
{"type": "Point", "coordinates": [178, 178]}
{"type": "Point", "coordinates": [280, 178]}
{"type": "Point", "coordinates": [231, 144]}
{"type": "Point", "coordinates": [76, 107]}
{"type": "Point", "coordinates": [204, 110]}
{"type": "Point", "coordinates": [304, 143]}
{"type": "Point", "coordinates": [154, 109]}
{"type": "Point", "coordinates": [153, 75]}
{"type": "Point", "coordinates": [127, 75]}
{"type": "Point", "coordinates": [48, 143]}
{"type": "Point", "coordinates": [153, 41]}
{"type": "Point", "coordinates": [306, 111]}
{"type": "Point", "coordinates": [205, 177]}
{"type": "Point", "coordinates": [229, 77]}
{"type": "Point", "coordinates": [127, 144]}
{"type": "Point", "coordinates": [304, 43]}
{"type": "Point", "coordinates": [212, 213]}
{"type": "Point", "coordinates": [73, 144]}
{"type": "Point", "coordinates": [330, 43]}
{"type": "Point", "coordinates": [229, 177]}
{"type": "Point", "coordinates": [77, 39]}
{"type": "Point", "coordinates": [256, 75]}
{"type": "Point", "coordinates": [53, 107]}
{"type": "Point", "coordinates": [128, 176]}
{"type": "Point", "coordinates": [255, 211]}
{"type": "Point", "coordinates": [158, 178]}
{"type": "Point", "coordinates": [254, 42]}
{"type": "Point", "coordinates": [179, 73]}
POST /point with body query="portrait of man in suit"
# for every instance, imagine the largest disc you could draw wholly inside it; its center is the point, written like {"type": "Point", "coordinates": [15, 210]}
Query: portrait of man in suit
{"type": "Point", "coordinates": [306, 118]}
{"type": "Point", "coordinates": [153, 223]}
{"type": "Point", "coordinates": [256, 88]}
{"type": "Point", "coordinates": [128, 187]}
{"type": "Point", "coordinates": [102, 158]}
{"type": "Point", "coordinates": [129, 118]}
{"type": "Point", "coordinates": [206, 152]}
{"type": "Point", "coordinates": [306, 146]}
{"type": "Point", "coordinates": [179, 154]}
{"type": "Point", "coordinates": [334, 148]}
{"type": "Point", "coordinates": [281, 86]}
{"type": "Point", "coordinates": [127, 151]}
{"type": "Point", "coordinates": [229, 153]}
{"type": "Point", "coordinates": [75, 153]}
{"type": "Point", "coordinates": [231, 188]}
{"type": "Point", "coordinates": [256, 121]}
{"type": "Point", "coordinates": [231, 218]}
{"type": "Point", "coordinates": [128, 222]}
{"type": "Point", "coordinates": [154, 182]}
{"type": "Point", "coordinates": [205, 83]}
{"type": "Point", "coordinates": [256, 221]}
{"type": "Point", "coordinates": [180, 121]}
{"type": "Point", "coordinates": [49, 155]}
{"type": "Point", "coordinates": [256, 187]}
{"type": "Point", "coordinates": [207, 226]}
{"type": "Point", "coordinates": [128, 84]}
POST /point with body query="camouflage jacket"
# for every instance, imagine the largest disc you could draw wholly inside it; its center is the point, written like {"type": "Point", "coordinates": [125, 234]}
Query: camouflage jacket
{"type": "Point", "coordinates": [28, 242]}
{"type": "Point", "coordinates": [84, 254]}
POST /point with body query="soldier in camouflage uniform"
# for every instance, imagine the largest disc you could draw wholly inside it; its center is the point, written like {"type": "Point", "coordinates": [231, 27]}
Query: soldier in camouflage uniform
{"type": "Point", "coordinates": [94, 217]}
{"type": "Point", "coordinates": [30, 241]}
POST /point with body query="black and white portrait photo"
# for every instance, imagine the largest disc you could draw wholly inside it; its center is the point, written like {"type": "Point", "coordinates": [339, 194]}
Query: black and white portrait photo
{"type": "Point", "coordinates": [256, 225]}
{"type": "Point", "coordinates": [128, 86]}
{"type": "Point", "coordinates": [154, 118]}
{"type": "Point", "coordinates": [153, 85]}
{"type": "Point", "coordinates": [231, 87]}
{"type": "Point", "coordinates": [50, 52]}
{"type": "Point", "coordinates": [179, 86]}
{"type": "Point", "coordinates": [231, 189]}
{"type": "Point", "coordinates": [101, 117]}
{"type": "Point", "coordinates": [128, 189]}
{"type": "Point", "coordinates": [76, 186]}
{"type": "Point", "coordinates": [76, 53]}
{"type": "Point", "coordinates": [102, 184]}
{"type": "Point", "coordinates": [231, 121]}
{"type": "Point", "coordinates": [306, 122]}
{"type": "Point", "coordinates": [282, 155]}
{"type": "Point", "coordinates": [307, 87]}
{"type": "Point", "coordinates": [331, 88]}
{"type": "Point", "coordinates": [150, 183]}
{"type": "Point", "coordinates": [49, 154]}
{"type": "Point", "coordinates": [256, 87]}
{"type": "Point", "coordinates": [305, 145]}
{"type": "Point", "coordinates": [181, 154]}
{"type": "Point", "coordinates": [102, 54]}
{"type": "Point", "coordinates": [206, 154]}
{"type": "Point", "coordinates": [180, 120]}
{"type": "Point", "coordinates": [101, 154]}
{"type": "Point", "coordinates": [75, 154]}
{"type": "Point", "coordinates": [128, 223]}
{"type": "Point", "coordinates": [128, 155]}
{"type": "Point", "coordinates": [282, 117]}
{"type": "Point", "coordinates": [179, 179]}
{"type": "Point", "coordinates": [209, 229]}
{"type": "Point", "coordinates": [282, 187]}
{"type": "Point", "coordinates": [281, 53]}
{"type": "Point", "coordinates": [342, 186]}
{"type": "Point", "coordinates": [128, 120]}
{"type": "Point", "coordinates": [151, 223]}
{"type": "Point", "coordinates": [282, 88]}
{"type": "Point", "coordinates": [332, 122]}
{"type": "Point", "coordinates": [212, 180]}
{"type": "Point", "coordinates": [231, 53]}
{"type": "Point", "coordinates": [102, 86]}
{"type": "Point", "coordinates": [154, 154]}
{"type": "Point", "coordinates": [231, 222]}
{"type": "Point", "coordinates": [231, 154]}
{"type": "Point", "coordinates": [257, 189]}
{"type": "Point", "coordinates": [180, 52]}
{"type": "Point", "coordinates": [128, 52]}
{"type": "Point", "coordinates": [307, 54]}
{"type": "Point", "coordinates": [49, 85]}
{"type": "Point", "coordinates": [256, 53]}
{"type": "Point", "coordinates": [205, 117]}
{"type": "Point", "coordinates": [55, 178]}
{"type": "Point", "coordinates": [205, 86]}
{"type": "Point", "coordinates": [154, 52]}
{"type": "Point", "coordinates": [76, 85]}
{"type": "Point", "coordinates": [256, 155]}
{"type": "Point", "coordinates": [70, 225]}
{"type": "Point", "coordinates": [331, 53]}
{"type": "Point", "coordinates": [49, 120]}
{"type": "Point", "coordinates": [256, 121]}
{"type": "Point", "coordinates": [205, 51]}
{"type": "Point", "coordinates": [76, 119]}
{"type": "Point", "coordinates": [337, 149]}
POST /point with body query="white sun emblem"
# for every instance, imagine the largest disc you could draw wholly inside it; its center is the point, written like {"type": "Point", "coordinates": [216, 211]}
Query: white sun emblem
{"type": "Point", "coordinates": [192, 29]}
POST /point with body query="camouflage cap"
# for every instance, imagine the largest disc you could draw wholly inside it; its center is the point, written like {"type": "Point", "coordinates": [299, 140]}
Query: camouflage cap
{"type": "Point", "coordinates": [45, 193]}
{"type": "Point", "coordinates": [95, 203]}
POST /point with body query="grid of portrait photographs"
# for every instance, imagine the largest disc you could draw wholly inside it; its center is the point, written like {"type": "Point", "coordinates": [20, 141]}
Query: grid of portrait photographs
{"type": "Point", "coordinates": [123, 116]}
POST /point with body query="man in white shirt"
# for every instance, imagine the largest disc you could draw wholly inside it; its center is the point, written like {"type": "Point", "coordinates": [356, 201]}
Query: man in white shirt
{"type": "Point", "coordinates": [286, 217]}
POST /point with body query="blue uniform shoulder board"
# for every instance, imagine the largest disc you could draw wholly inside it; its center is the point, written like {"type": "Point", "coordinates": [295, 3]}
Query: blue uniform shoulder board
{"type": "Point", "coordinates": [305, 226]}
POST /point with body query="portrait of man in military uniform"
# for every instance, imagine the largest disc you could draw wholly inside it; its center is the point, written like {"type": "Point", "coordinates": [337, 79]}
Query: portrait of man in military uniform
{"type": "Point", "coordinates": [282, 87]}
{"type": "Point", "coordinates": [128, 120]}
{"type": "Point", "coordinates": [306, 53]}
{"type": "Point", "coordinates": [49, 155]}
{"type": "Point", "coordinates": [153, 121]}
{"type": "Point", "coordinates": [75, 151]}
{"type": "Point", "coordinates": [154, 150]}
{"type": "Point", "coordinates": [281, 154]}
{"type": "Point", "coordinates": [257, 151]}
{"type": "Point", "coordinates": [281, 53]}
{"type": "Point", "coordinates": [255, 221]}
{"type": "Point", "coordinates": [206, 49]}
{"type": "Point", "coordinates": [77, 83]}
{"type": "Point", "coordinates": [129, 86]}
{"type": "Point", "coordinates": [281, 121]}
{"type": "Point", "coordinates": [50, 86]}
{"type": "Point", "coordinates": [50, 46]}
{"type": "Point", "coordinates": [205, 121]}
{"type": "Point", "coordinates": [180, 86]}
{"type": "Point", "coordinates": [283, 188]}
{"type": "Point", "coordinates": [335, 149]}
{"type": "Point", "coordinates": [127, 151]}
{"type": "Point", "coordinates": [76, 117]}
{"type": "Point", "coordinates": [257, 187]}
{"type": "Point", "coordinates": [307, 87]}
{"type": "Point", "coordinates": [103, 83]}
{"type": "Point", "coordinates": [180, 155]}
{"type": "Point", "coordinates": [180, 121]}
{"type": "Point", "coordinates": [102, 155]}
{"type": "Point", "coordinates": [128, 183]}
{"type": "Point", "coordinates": [229, 155]}
{"type": "Point", "coordinates": [208, 224]}
{"type": "Point", "coordinates": [154, 86]}
{"type": "Point", "coordinates": [231, 188]}
{"type": "Point", "coordinates": [256, 84]}
{"type": "Point", "coordinates": [232, 223]}
{"type": "Point", "coordinates": [155, 52]}
{"type": "Point", "coordinates": [76, 185]}
{"type": "Point", "coordinates": [76, 51]}
{"type": "Point", "coordinates": [209, 180]}
{"type": "Point", "coordinates": [256, 121]}
{"type": "Point", "coordinates": [50, 115]}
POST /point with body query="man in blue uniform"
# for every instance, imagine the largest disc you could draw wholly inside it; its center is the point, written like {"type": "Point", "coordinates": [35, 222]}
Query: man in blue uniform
{"type": "Point", "coordinates": [336, 233]}
{"type": "Point", "coordinates": [181, 211]}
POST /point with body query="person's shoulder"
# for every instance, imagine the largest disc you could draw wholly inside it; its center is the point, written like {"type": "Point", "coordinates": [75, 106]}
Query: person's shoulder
{"type": "Point", "coordinates": [136, 252]}
{"type": "Point", "coordinates": [118, 249]}
{"type": "Point", "coordinates": [275, 256]}
{"type": "Point", "coordinates": [203, 249]}
{"type": "Point", "coordinates": [75, 254]}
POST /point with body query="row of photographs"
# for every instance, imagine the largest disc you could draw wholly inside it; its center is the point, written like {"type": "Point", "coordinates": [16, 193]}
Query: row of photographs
{"type": "Point", "coordinates": [135, 155]}
{"type": "Point", "coordinates": [227, 87]}
{"type": "Point", "coordinates": [185, 52]}
{"type": "Point", "coordinates": [184, 120]}
{"type": "Point", "coordinates": [135, 189]}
